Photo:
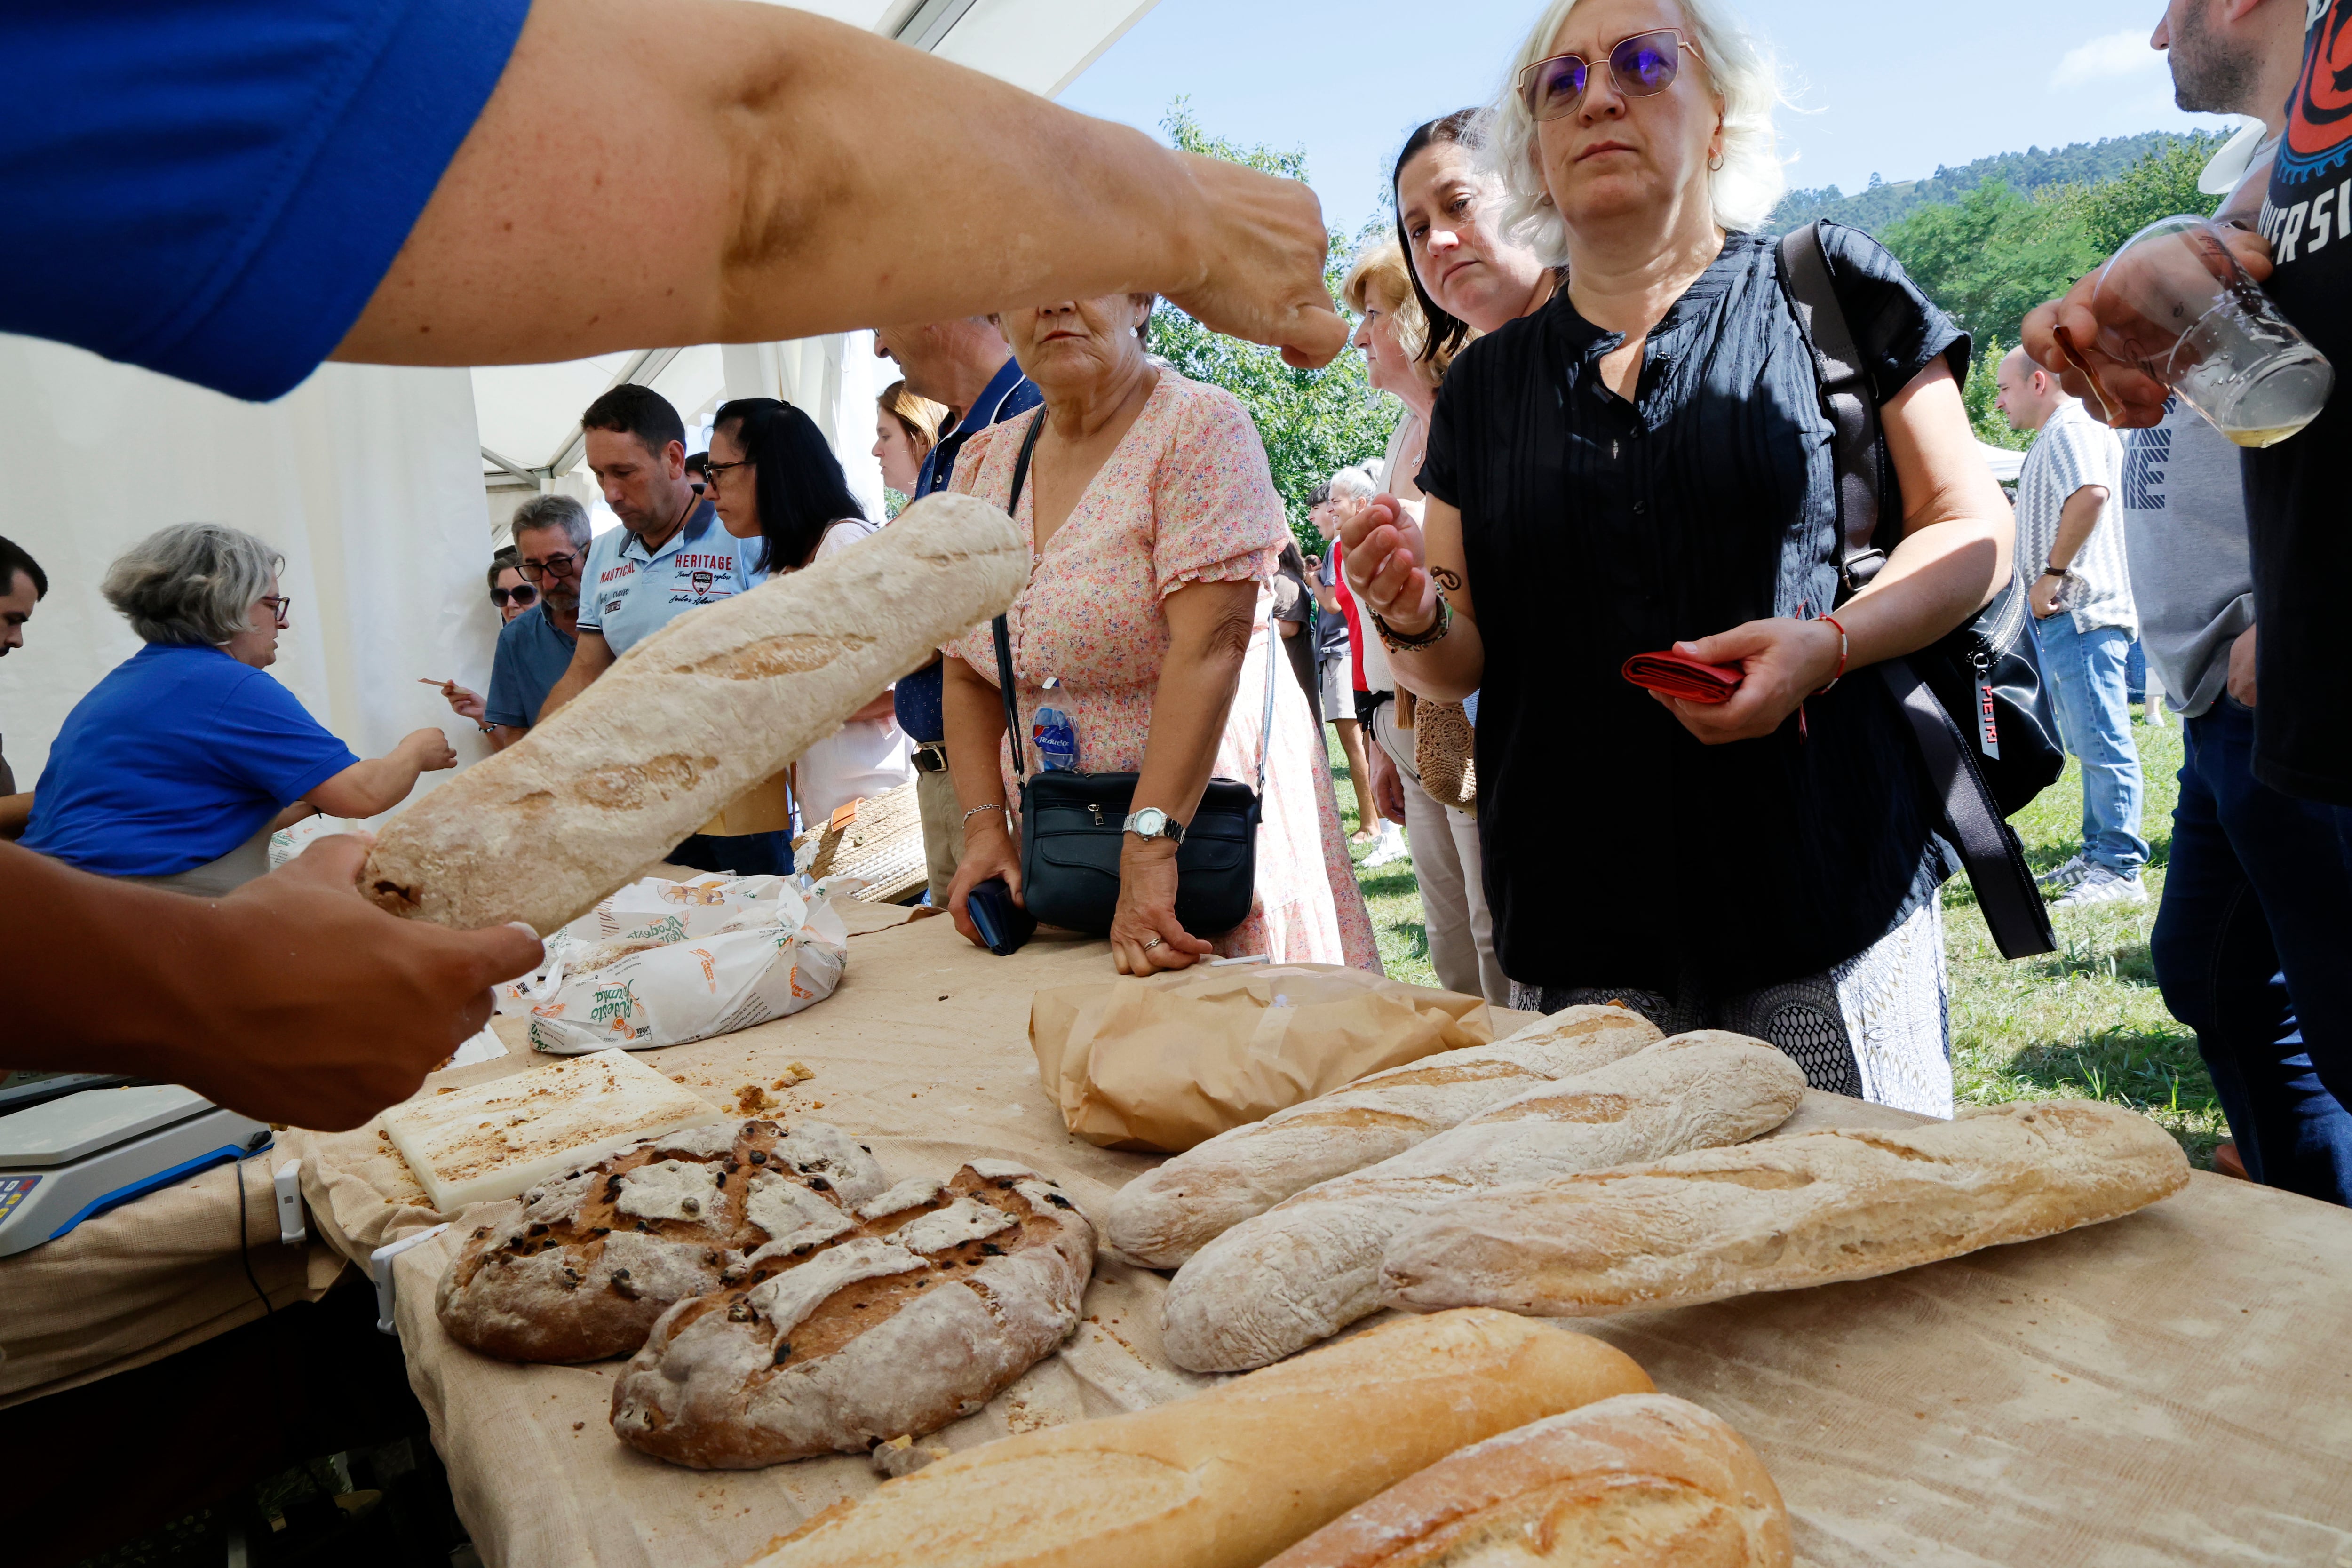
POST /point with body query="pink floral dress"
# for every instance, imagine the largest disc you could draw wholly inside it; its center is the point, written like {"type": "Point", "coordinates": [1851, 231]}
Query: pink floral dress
{"type": "Point", "coordinates": [1185, 498]}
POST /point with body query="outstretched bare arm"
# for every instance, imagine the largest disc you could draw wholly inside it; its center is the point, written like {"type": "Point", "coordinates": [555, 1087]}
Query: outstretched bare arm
{"type": "Point", "coordinates": [663, 172]}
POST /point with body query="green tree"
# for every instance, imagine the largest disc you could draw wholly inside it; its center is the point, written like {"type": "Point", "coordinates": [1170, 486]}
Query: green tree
{"type": "Point", "coordinates": [1995, 254]}
{"type": "Point", "coordinates": [1312, 421]}
{"type": "Point", "coordinates": [2158, 185]}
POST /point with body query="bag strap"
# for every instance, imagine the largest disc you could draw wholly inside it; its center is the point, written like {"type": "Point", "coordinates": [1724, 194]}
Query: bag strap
{"type": "Point", "coordinates": [2012, 904]}
{"type": "Point", "coordinates": [2006, 893]}
{"type": "Point", "coordinates": [1002, 631]}
{"type": "Point", "coordinates": [1845, 388]}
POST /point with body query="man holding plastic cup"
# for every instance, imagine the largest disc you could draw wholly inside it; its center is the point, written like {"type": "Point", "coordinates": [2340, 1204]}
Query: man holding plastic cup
{"type": "Point", "coordinates": [2257, 911]}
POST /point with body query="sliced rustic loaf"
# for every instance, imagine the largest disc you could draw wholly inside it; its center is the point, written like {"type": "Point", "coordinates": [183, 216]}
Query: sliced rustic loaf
{"type": "Point", "coordinates": [1310, 1266]}
{"type": "Point", "coordinates": [1784, 1212]}
{"type": "Point", "coordinates": [947, 1292]}
{"type": "Point", "coordinates": [580, 1266]}
{"type": "Point", "coordinates": [689, 718]}
{"type": "Point", "coordinates": [1229, 1478]}
{"type": "Point", "coordinates": [1165, 1216]}
{"type": "Point", "coordinates": [1643, 1480]}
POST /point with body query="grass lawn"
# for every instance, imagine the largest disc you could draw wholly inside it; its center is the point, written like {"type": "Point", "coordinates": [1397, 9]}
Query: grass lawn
{"type": "Point", "coordinates": [2086, 1021]}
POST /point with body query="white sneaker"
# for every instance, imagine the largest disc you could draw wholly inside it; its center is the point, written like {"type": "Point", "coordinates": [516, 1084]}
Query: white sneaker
{"type": "Point", "coordinates": [2104, 885]}
{"type": "Point", "coordinates": [1391, 847]}
{"type": "Point", "coordinates": [2065, 876]}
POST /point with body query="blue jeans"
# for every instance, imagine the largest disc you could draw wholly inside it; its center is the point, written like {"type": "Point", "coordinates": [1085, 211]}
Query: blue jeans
{"type": "Point", "coordinates": [2253, 950]}
{"type": "Point", "coordinates": [744, 854]}
{"type": "Point", "coordinates": [2086, 686]}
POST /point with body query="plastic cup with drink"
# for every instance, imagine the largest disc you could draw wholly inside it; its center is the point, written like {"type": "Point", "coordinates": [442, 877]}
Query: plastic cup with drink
{"type": "Point", "coordinates": [2176, 302]}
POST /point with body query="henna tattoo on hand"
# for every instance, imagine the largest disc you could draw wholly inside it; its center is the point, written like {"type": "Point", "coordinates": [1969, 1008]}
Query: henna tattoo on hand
{"type": "Point", "coordinates": [1449, 580]}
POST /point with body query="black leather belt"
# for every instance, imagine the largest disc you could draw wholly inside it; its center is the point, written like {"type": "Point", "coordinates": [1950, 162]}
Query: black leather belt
{"type": "Point", "coordinates": [931, 757]}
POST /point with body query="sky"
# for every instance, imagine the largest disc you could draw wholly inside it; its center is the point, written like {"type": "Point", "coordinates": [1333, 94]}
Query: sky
{"type": "Point", "coordinates": [1888, 87]}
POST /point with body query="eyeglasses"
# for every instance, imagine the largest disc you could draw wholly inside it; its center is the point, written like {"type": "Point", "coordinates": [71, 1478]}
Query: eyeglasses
{"type": "Point", "coordinates": [710, 472]}
{"type": "Point", "coordinates": [1642, 66]}
{"type": "Point", "coordinates": [534, 570]}
{"type": "Point", "coordinates": [526, 595]}
{"type": "Point", "coordinates": [280, 606]}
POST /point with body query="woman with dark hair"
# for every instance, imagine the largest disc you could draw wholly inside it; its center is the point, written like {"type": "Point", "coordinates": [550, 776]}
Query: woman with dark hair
{"type": "Point", "coordinates": [773, 477]}
{"type": "Point", "coordinates": [1468, 274]}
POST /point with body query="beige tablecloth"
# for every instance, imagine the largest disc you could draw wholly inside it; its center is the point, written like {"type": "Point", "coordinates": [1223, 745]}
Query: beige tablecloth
{"type": "Point", "coordinates": [2175, 1387]}
{"type": "Point", "coordinates": [159, 1274]}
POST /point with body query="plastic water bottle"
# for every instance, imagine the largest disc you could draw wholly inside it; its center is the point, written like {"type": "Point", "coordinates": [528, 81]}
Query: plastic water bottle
{"type": "Point", "coordinates": [1056, 740]}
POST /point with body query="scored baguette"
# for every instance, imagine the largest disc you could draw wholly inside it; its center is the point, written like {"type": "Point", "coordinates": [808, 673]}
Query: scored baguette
{"type": "Point", "coordinates": [1229, 1478]}
{"type": "Point", "coordinates": [1643, 1480]}
{"type": "Point", "coordinates": [1310, 1266]}
{"type": "Point", "coordinates": [1165, 1216]}
{"type": "Point", "coordinates": [690, 718]}
{"type": "Point", "coordinates": [1784, 1213]}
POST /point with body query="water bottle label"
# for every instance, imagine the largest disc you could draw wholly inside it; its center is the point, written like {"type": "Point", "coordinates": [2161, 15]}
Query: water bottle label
{"type": "Point", "coordinates": [1055, 738]}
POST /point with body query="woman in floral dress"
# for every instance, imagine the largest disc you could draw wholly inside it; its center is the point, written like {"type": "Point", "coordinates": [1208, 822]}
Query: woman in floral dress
{"type": "Point", "coordinates": [1155, 526]}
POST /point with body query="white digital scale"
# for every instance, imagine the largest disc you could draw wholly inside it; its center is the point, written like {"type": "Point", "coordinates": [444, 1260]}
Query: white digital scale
{"type": "Point", "coordinates": [69, 1158]}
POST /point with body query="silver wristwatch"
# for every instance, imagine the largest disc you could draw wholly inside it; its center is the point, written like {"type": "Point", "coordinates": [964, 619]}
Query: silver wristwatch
{"type": "Point", "coordinates": [1153, 823]}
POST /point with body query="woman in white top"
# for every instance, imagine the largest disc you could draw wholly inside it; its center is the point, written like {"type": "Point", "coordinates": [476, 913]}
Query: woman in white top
{"type": "Point", "coordinates": [772, 476]}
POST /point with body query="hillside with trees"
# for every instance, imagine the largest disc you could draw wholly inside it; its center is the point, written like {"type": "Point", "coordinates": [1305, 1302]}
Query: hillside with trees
{"type": "Point", "coordinates": [2035, 169]}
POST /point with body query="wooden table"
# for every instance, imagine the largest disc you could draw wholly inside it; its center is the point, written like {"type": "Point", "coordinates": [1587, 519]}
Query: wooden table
{"type": "Point", "coordinates": [2175, 1387]}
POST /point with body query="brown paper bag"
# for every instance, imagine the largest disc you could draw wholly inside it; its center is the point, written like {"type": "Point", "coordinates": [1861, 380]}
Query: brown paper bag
{"type": "Point", "coordinates": [1162, 1062]}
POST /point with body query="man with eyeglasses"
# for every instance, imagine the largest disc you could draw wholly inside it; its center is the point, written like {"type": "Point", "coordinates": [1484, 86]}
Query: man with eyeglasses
{"type": "Point", "coordinates": [551, 537]}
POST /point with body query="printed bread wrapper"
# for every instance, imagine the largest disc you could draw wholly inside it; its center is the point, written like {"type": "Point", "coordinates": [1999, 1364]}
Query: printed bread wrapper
{"type": "Point", "coordinates": [685, 977]}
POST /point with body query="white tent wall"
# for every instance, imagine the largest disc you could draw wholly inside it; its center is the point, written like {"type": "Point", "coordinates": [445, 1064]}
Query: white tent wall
{"type": "Point", "coordinates": [364, 477]}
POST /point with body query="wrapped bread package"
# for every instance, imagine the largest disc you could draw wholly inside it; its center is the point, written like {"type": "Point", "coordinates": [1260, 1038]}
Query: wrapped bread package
{"type": "Point", "coordinates": [1229, 1478]}
{"type": "Point", "coordinates": [1163, 1062]}
{"type": "Point", "coordinates": [690, 718]}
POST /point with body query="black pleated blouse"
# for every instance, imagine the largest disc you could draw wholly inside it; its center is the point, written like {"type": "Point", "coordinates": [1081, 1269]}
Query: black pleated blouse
{"type": "Point", "coordinates": [1618, 850]}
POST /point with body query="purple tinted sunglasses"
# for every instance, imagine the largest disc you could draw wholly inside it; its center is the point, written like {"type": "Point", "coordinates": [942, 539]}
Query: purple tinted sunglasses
{"type": "Point", "coordinates": [1642, 65]}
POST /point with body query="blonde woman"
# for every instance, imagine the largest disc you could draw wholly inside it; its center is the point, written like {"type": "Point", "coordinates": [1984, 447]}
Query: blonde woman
{"type": "Point", "coordinates": [906, 428]}
{"type": "Point", "coordinates": [1645, 463]}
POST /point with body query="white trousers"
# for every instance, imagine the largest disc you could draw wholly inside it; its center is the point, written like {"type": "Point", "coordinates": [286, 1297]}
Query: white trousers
{"type": "Point", "coordinates": [1445, 864]}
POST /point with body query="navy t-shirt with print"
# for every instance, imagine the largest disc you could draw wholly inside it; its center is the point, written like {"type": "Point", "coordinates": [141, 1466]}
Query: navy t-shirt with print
{"type": "Point", "coordinates": [2300, 520]}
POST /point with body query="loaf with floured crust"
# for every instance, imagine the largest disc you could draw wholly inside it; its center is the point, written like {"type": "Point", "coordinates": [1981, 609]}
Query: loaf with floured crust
{"type": "Point", "coordinates": [580, 1266]}
{"type": "Point", "coordinates": [1310, 1266]}
{"type": "Point", "coordinates": [1165, 1216]}
{"type": "Point", "coordinates": [690, 718]}
{"type": "Point", "coordinates": [947, 1292]}
{"type": "Point", "coordinates": [1643, 1480]}
{"type": "Point", "coordinates": [1784, 1213]}
{"type": "Point", "coordinates": [1229, 1478]}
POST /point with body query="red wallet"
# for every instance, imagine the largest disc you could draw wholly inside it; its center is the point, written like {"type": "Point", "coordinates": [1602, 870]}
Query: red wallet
{"type": "Point", "coordinates": [1679, 675]}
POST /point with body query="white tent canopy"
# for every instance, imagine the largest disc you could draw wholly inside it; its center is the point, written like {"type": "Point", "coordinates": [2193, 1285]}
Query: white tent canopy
{"type": "Point", "coordinates": [371, 479]}
{"type": "Point", "coordinates": [529, 413]}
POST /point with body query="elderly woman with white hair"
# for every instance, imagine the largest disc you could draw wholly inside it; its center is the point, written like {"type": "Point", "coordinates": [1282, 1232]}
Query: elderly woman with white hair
{"type": "Point", "coordinates": [1646, 463]}
{"type": "Point", "coordinates": [175, 768]}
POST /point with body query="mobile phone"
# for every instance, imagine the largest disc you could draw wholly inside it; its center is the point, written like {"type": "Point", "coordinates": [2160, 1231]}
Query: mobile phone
{"type": "Point", "coordinates": [1003, 924]}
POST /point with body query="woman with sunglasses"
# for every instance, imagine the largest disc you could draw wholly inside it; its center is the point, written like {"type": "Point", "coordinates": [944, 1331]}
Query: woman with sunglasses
{"type": "Point", "coordinates": [511, 597]}
{"type": "Point", "coordinates": [773, 477]}
{"type": "Point", "coordinates": [177, 767]}
{"type": "Point", "coordinates": [1645, 463]}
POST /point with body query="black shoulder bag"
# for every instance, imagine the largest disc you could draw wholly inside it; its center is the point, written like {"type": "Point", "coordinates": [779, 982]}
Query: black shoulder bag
{"type": "Point", "coordinates": [1982, 680]}
{"type": "Point", "coordinates": [1073, 824]}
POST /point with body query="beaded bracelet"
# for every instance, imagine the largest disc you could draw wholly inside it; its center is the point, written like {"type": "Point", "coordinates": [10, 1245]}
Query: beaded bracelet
{"type": "Point", "coordinates": [1400, 642]}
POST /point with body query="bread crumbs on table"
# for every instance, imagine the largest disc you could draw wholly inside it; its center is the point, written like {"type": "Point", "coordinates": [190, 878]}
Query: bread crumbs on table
{"type": "Point", "coordinates": [576, 1425]}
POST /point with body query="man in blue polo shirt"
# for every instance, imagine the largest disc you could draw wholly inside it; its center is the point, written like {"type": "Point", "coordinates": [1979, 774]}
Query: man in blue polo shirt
{"type": "Point", "coordinates": [551, 540]}
{"type": "Point", "coordinates": [965, 365]}
{"type": "Point", "coordinates": [669, 556]}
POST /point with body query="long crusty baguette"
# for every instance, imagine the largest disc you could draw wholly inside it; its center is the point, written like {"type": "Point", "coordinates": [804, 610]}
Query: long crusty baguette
{"type": "Point", "coordinates": [1785, 1212]}
{"type": "Point", "coordinates": [1310, 1266]}
{"type": "Point", "coordinates": [1165, 1216]}
{"type": "Point", "coordinates": [1643, 1480]}
{"type": "Point", "coordinates": [689, 718]}
{"type": "Point", "coordinates": [1226, 1479]}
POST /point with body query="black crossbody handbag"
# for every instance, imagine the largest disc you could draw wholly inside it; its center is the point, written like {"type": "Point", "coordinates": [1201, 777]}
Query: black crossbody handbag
{"type": "Point", "coordinates": [1975, 699]}
{"type": "Point", "coordinates": [1073, 824]}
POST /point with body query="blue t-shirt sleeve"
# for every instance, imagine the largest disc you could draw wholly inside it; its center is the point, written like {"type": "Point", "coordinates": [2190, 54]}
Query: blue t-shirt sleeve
{"type": "Point", "coordinates": [506, 699]}
{"type": "Point", "coordinates": [264, 734]}
{"type": "Point", "coordinates": [214, 188]}
{"type": "Point", "coordinates": [601, 557]}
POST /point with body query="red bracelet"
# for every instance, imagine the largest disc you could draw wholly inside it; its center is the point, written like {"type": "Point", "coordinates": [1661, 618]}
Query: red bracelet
{"type": "Point", "coordinates": [1843, 646]}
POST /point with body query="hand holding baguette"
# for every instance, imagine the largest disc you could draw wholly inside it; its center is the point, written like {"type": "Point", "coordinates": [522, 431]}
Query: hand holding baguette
{"type": "Point", "coordinates": [688, 720]}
